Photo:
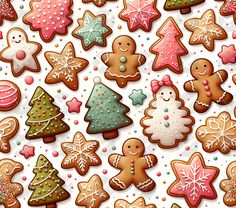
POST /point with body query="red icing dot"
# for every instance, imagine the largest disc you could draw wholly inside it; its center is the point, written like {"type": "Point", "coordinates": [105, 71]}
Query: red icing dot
{"type": "Point", "coordinates": [166, 117]}
{"type": "Point", "coordinates": [63, 97]}
{"type": "Point", "coordinates": [187, 148]}
{"type": "Point", "coordinates": [104, 149]}
{"type": "Point", "coordinates": [76, 122]}
{"type": "Point", "coordinates": [158, 174]}
{"type": "Point", "coordinates": [95, 68]}
{"type": "Point", "coordinates": [208, 94]}
{"type": "Point", "coordinates": [29, 80]}
{"type": "Point", "coordinates": [69, 175]}
{"type": "Point", "coordinates": [205, 82]}
{"type": "Point", "coordinates": [104, 171]}
{"type": "Point", "coordinates": [20, 55]}
{"type": "Point", "coordinates": [24, 178]}
{"type": "Point", "coordinates": [55, 154]}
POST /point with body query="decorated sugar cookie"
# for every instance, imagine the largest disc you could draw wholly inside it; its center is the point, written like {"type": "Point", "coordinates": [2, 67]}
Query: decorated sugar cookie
{"type": "Point", "coordinates": [138, 203]}
{"type": "Point", "coordinates": [123, 62]}
{"type": "Point", "coordinates": [132, 164]}
{"type": "Point", "coordinates": [20, 52]}
{"type": "Point", "coordinates": [7, 11]}
{"type": "Point", "coordinates": [167, 121]}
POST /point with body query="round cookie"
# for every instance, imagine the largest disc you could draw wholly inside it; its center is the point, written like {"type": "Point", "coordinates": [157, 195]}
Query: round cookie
{"type": "Point", "coordinates": [132, 164]}
{"type": "Point", "coordinates": [208, 85]}
{"type": "Point", "coordinates": [123, 62]}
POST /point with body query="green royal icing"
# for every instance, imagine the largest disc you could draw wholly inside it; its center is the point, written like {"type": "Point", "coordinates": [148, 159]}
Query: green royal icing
{"type": "Point", "coordinates": [122, 68]}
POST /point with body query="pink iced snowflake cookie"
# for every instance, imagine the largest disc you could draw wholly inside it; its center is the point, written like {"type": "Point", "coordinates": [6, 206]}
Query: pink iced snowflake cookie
{"type": "Point", "coordinates": [49, 17]}
{"type": "Point", "coordinates": [169, 48]}
{"type": "Point", "coordinates": [140, 14]}
{"type": "Point", "coordinates": [193, 180]}
{"type": "Point", "coordinates": [20, 52]}
{"type": "Point", "coordinates": [167, 121]}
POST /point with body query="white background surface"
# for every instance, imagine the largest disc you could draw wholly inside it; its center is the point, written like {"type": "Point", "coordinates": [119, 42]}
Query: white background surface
{"type": "Point", "coordinates": [112, 9]}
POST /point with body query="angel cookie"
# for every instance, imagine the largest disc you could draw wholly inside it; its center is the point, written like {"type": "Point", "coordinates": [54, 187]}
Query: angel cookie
{"type": "Point", "coordinates": [132, 164]}
{"type": "Point", "coordinates": [138, 203]}
{"type": "Point", "coordinates": [205, 30]}
{"type": "Point", "coordinates": [20, 52]}
{"type": "Point", "coordinates": [80, 154]}
{"type": "Point", "coordinates": [167, 121]}
{"type": "Point", "coordinates": [208, 85]}
{"type": "Point", "coordinates": [219, 133]}
{"type": "Point", "coordinates": [229, 185]}
{"type": "Point", "coordinates": [65, 67]}
{"type": "Point", "coordinates": [123, 62]}
{"type": "Point", "coordinates": [9, 190]}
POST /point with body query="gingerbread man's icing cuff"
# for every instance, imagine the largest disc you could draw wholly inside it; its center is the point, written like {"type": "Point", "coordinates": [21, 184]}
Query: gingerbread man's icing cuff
{"type": "Point", "coordinates": [49, 17]}
{"type": "Point", "coordinates": [140, 14]}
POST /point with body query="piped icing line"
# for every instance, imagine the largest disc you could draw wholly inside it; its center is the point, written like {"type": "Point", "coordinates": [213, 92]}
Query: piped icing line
{"type": "Point", "coordinates": [35, 184]}
{"type": "Point", "coordinates": [222, 97]}
{"type": "Point", "coordinates": [12, 165]}
{"type": "Point", "coordinates": [219, 75]}
{"type": "Point", "coordinates": [149, 160]}
{"type": "Point", "coordinates": [201, 103]}
{"type": "Point", "coordinates": [15, 91]}
{"type": "Point", "coordinates": [192, 85]}
{"type": "Point", "coordinates": [116, 161]}
{"type": "Point", "coordinates": [122, 76]}
{"type": "Point", "coordinates": [119, 183]}
{"type": "Point", "coordinates": [37, 97]}
{"type": "Point", "coordinates": [42, 166]}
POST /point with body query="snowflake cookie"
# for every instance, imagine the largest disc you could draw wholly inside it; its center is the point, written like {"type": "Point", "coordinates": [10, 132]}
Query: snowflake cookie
{"type": "Point", "coordinates": [138, 203]}
{"type": "Point", "coordinates": [219, 133]}
{"type": "Point", "coordinates": [49, 17]}
{"type": "Point", "coordinates": [140, 14]}
{"type": "Point", "coordinates": [193, 180]}
{"type": "Point", "coordinates": [80, 154]}
{"type": "Point", "coordinates": [205, 30]}
{"type": "Point", "coordinates": [92, 30]}
{"type": "Point", "coordinates": [91, 193]}
{"type": "Point", "coordinates": [65, 67]}
{"type": "Point", "coordinates": [229, 185]}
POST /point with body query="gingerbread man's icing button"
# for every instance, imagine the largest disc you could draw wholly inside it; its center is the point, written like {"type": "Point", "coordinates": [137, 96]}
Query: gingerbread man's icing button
{"type": "Point", "coordinates": [123, 68]}
{"type": "Point", "coordinates": [123, 59]}
{"type": "Point", "coordinates": [205, 82]}
{"type": "Point", "coordinates": [20, 54]}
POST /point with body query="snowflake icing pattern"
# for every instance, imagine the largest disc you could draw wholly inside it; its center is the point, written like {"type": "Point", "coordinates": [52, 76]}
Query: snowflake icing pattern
{"type": "Point", "coordinates": [65, 66]}
{"type": "Point", "coordinates": [92, 31]}
{"type": "Point", "coordinates": [140, 12]}
{"type": "Point", "coordinates": [219, 133]}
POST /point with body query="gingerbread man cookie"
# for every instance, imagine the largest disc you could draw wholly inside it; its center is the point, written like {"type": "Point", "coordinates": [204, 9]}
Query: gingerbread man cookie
{"type": "Point", "coordinates": [207, 85]}
{"type": "Point", "coordinates": [123, 62]}
{"type": "Point", "coordinates": [20, 52]}
{"type": "Point", "coordinates": [9, 190]}
{"type": "Point", "coordinates": [132, 164]}
{"type": "Point", "coordinates": [229, 185]}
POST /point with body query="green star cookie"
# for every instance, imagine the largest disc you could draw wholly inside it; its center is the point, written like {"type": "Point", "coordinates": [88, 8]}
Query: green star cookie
{"type": "Point", "coordinates": [137, 97]}
{"type": "Point", "coordinates": [92, 30]}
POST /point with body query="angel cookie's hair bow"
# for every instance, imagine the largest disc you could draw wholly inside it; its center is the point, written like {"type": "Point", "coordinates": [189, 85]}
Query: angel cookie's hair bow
{"type": "Point", "coordinates": [156, 85]}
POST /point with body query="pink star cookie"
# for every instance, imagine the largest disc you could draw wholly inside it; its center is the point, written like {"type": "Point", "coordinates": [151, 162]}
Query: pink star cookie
{"type": "Point", "coordinates": [27, 151]}
{"type": "Point", "coordinates": [49, 17]}
{"type": "Point", "coordinates": [74, 105]}
{"type": "Point", "coordinates": [228, 54]}
{"type": "Point", "coordinates": [193, 180]}
{"type": "Point", "coordinates": [140, 14]}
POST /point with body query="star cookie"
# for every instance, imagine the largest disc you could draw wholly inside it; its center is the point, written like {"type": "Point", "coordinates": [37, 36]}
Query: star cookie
{"type": "Point", "coordinates": [91, 193]}
{"type": "Point", "coordinates": [98, 3]}
{"type": "Point", "coordinates": [49, 17]}
{"type": "Point", "coordinates": [80, 154]}
{"type": "Point", "coordinates": [139, 203]}
{"type": "Point", "coordinates": [193, 180]}
{"type": "Point", "coordinates": [137, 97]}
{"type": "Point", "coordinates": [65, 67]}
{"type": "Point", "coordinates": [228, 54]}
{"type": "Point", "coordinates": [74, 105]}
{"type": "Point", "coordinates": [229, 186]}
{"type": "Point", "coordinates": [27, 151]}
{"type": "Point", "coordinates": [219, 133]}
{"type": "Point", "coordinates": [140, 14]}
{"type": "Point", "coordinates": [205, 30]}
{"type": "Point", "coordinates": [20, 52]}
{"type": "Point", "coordinates": [92, 30]}
{"type": "Point", "coordinates": [7, 11]}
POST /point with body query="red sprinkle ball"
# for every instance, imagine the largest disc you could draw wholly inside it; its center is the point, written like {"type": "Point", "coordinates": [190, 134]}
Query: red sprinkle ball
{"type": "Point", "coordinates": [29, 80]}
{"type": "Point", "coordinates": [55, 153]}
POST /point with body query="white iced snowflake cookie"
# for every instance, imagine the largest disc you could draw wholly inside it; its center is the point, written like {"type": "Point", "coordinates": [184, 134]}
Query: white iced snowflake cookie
{"type": "Point", "coordinates": [20, 52]}
{"type": "Point", "coordinates": [167, 121]}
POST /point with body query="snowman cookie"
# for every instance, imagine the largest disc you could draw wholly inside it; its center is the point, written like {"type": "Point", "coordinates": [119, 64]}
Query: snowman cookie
{"type": "Point", "coordinates": [20, 52]}
{"type": "Point", "coordinates": [207, 85]}
{"type": "Point", "coordinates": [167, 121]}
{"type": "Point", "coordinates": [132, 164]}
{"type": "Point", "coordinates": [123, 62]}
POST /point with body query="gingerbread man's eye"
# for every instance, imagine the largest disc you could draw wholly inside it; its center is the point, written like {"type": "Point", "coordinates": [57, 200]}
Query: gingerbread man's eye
{"type": "Point", "coordinates": [13, 37]}
{"type": "Point", "coordinates": [205, 65]}
{"type": "Point", "coordinates": [170, 93]}
{"type": "Point", "coordinates": [137, 147]}
{"type": "Point", "coordinates": [196, 68]}
{"type": "Point", "coordinates": [119, 43]}
{"type": "Point", "coordinates": [129, 146]}
{"type": "Point", "coordinates": [128, 44]}
{"type": "Point", "coordinates": [162, 93]}
{"type": "Point", "coordinates": [19, 36]}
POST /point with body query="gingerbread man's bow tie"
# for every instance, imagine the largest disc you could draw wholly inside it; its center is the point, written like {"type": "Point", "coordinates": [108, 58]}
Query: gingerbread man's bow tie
{"type": "Point", "coordinates": [156, 85]}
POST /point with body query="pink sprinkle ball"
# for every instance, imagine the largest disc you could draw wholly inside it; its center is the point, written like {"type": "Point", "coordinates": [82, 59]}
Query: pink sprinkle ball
{"type": "Point", "coordinates": [29, 80]}
{"type": "Point", "coordinates": [187, 148]}
{"type": "Point", "coordinates": [104, 149]}
{"type": "Point", "coordinates": [69, 175]}
{"type": "Point", "coordinates": [24, 178]}
{"type": "Point", "coordinates": [95, 68]}
{"type": "Point", "coordinates": [55, 153]}
{"type": "Point", "coordinates": [63, 97]}
{"type": "Point", "coordinates": [158, 174]}
{"type": "Point", "coordinates": [104, 171]}
{"type": "Point", "coordinates": [76, 122]}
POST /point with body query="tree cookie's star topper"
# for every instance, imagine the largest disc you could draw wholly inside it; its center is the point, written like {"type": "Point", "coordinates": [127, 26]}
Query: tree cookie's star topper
{"type": "Point", "coordinates": [228, 54]}
{"type": "Point", "coordinates": [205, 30]}
{"type": "Point", "coordinates": [65, 67]}
{"type": "Point", "coordinates": [140, 14]}
{"type": "Point", "coordinates": [49, 17]}
{"type": "Point", "coordinates": [169, 48]}
{"type": "Point", "coordinates": [7, 11]}
{"type": "Point", "coordinates": [193, 180]}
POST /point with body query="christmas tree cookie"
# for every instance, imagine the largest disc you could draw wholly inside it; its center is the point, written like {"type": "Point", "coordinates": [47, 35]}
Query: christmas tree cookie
{"type": "Point", "coordinates": [106, 113]}
{"type": "Point", "coordinates": [167, 121]}
{"type": "Point", "coordinates": [46, 185]}
{"type": "Point", "coordinates": [7, 11]}
{"type": "Point", "coordinates": [183, 5]}
{"type": "Point", "coordinates": [45, 118]}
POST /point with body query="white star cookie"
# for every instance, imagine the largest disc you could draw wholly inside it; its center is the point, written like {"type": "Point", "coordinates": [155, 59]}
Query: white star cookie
{"type": "Point", "coordinates": [20, 52]}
